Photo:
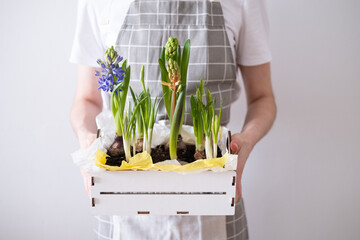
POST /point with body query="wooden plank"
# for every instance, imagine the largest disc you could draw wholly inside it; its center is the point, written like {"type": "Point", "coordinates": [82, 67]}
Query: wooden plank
{"type": "Point", "coordinates": [141, 181]}
{"type": "Point", "coordinates": [164, 205]}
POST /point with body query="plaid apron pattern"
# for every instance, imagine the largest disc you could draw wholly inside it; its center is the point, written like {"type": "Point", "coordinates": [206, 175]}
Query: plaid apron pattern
{"type": "Point", "coordinates": [147, 26]}
{"type": "Point", "coordinates": [146, 29]}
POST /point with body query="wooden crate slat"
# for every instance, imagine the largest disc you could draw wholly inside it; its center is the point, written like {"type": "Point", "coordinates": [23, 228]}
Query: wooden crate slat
{"type": "Point", "coordinates": [164, 205]}
{"type": "Point", "coordinates": [162, 181]}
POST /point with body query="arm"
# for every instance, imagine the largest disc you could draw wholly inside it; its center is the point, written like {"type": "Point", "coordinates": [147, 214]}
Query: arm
{"type": "Point", "coordinates": [261, 112]}
{"type": "Point", "coordinates": [87, 105]}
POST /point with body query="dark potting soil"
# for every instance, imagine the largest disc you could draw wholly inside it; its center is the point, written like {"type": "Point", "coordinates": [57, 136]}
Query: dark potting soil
{"type": "Point", "coordinates": [159, 154]}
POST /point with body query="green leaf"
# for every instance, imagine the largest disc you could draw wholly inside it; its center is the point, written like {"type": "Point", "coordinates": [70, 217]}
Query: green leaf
{"type": "Point", "coordinates": [185, 62]}
{"type": "Point", "coordinates": [184, 68]}
{"type": "Point", "coordinates": [142, 77]}
{"type": "Point", "coordinates": [208, 97]}
{"type": "Point", "coordinates": [201, 90]}
{"type": "Point", "coordinates": [194, 113]}
{"type": "Point", "coordinates": [179, 55]}
{"type": "Point", "coordinates": [133, 96]}
{"type": "Point", "coordinates": [124, 65]}
{"type": "Point", "coordinates": [124, 88]}
{"type": "Point", "coordinates": [165, 78]}
{"type": "Point", "coordinates": [175, 126]}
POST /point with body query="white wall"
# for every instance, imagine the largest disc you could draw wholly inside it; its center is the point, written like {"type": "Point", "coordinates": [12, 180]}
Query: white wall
{"type": "Point", "coordinates": [302, 180]}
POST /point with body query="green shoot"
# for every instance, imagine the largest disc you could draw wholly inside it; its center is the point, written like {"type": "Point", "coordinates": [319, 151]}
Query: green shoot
{"type": "Point", "coordinates": [174, 86]}
{"type": "Point", "coordinates": [207, 118]}
{"type": "Point", "coordinates": [125, 122]}
{"type": "Point", "coordinates": [196, 111]}
{"type": "Point", "coordinates": [205, 121]}
{"type": "Point", "coordinates": [147, 114]}
{"type": "Point", "coordinates": [215, 127]}
{"type": "Point", "coordinates": [118, 98]}
{"type": "Point", "coordinates": [165, 88]}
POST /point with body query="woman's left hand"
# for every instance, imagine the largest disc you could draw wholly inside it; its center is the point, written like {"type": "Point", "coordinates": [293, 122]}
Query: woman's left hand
{"type": "Point", "coordinates": [241, 146]}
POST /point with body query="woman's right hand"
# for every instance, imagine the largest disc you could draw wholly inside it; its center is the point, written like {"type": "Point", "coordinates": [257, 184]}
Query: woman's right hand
{"type": "Point", "coordinates": [85, 141]}
{"type": "Point", "coordinates": [87, 105]}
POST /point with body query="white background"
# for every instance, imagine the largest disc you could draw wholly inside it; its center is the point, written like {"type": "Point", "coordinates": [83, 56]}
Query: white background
{"type": "Point", "coordinates": [301, 181]}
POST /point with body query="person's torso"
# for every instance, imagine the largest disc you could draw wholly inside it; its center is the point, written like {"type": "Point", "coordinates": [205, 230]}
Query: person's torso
{"type": "Point", "coordinates": [138, 30]}
{"type": "Point", "coordinates": [140, 33]}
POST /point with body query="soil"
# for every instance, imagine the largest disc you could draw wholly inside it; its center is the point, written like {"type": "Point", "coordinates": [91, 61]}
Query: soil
{"type": "Point", "coordinates": [160, 153]}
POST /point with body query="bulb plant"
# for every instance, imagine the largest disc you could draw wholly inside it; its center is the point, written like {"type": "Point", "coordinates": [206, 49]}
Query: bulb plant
{"type": "Point", "coordinates": [146, 115]}
{"type": "Point", "coordinates": [138, 118]}
{"type": "Point", "coordinates": [112, 75]}
{"type": "Point", "coordinates": [115, 80]}
{"type": "Point", "coordinates": [125, 121]}
{"type": "Point", "coordinates": [197, 117]}
{"type": "Point", "coordinates": [174, 87]}
{"type": "Point", "coordinates": [134, 121]}
{"type": "Point", "coordinates": [206, 123]}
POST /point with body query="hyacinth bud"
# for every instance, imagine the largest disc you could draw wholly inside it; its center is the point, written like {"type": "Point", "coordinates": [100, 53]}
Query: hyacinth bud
{"type": "Point", "coordinates": [171, 48]}
{"type": "Point", "coordinates": [111, 55]}
{"type": "Point", "coordinates": [173, 69]}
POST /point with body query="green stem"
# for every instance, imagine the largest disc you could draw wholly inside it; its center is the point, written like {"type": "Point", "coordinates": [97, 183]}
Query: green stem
{"type": "Point", "coordinates": [175, 126]}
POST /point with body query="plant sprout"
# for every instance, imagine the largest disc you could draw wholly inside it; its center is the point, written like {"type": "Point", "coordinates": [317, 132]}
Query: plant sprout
{"type": "Point", "coordinates": [215, 128]}
{"type": "Point", "coordinates": [196, 111]}
{"type": "Point", "coordinates": [174, 87]}
{"type": "Point", "coordinates": [147, 115]}
{"type": "Point", "coordinates": [205, 122]}
{"type": "Point", "coordinates": [207, 117]}
{"type": "Point", "coordinates": [125, 120]}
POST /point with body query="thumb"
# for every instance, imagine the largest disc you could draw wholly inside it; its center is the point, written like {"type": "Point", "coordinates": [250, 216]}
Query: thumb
{"type": "Point", "coordinates": [235, 143]}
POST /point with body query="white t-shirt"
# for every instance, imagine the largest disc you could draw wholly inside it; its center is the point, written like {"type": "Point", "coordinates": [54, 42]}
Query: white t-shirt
{"type": "Point", "coordinates": [98, 25]}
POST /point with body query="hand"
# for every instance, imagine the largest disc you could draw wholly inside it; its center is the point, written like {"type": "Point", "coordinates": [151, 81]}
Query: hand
{"type": "Point", "coordinates": [86, 139]}
{"type": "Point", "coordinates": [241, 146]}
{"type": "Point", "coordinates": [87, 182]}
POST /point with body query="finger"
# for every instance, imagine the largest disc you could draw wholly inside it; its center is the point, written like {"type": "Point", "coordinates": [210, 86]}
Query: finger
{"type": "Point", "coordinates": [87, 182]}
{"type": "Point", "coordinates": [235, 143]}
{"type": "Point", "coordinates": [87, 187]}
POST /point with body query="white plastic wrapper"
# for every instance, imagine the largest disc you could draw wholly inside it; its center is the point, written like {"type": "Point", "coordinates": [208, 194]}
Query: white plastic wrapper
{"type": "Point", "coordinates": [85, 158]}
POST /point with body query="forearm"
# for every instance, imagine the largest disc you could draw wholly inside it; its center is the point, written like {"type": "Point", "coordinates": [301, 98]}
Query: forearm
{"type": "Point", "coordinates": [260, 117]}
{"type": "Point", "coordinates": [261, 107]}
{"type": "Point", "coordinates": [83, 116]}
{"type": "Point", "coordinates": [87, 105]}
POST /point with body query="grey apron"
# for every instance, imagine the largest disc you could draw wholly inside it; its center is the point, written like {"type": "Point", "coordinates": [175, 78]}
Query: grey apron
{"type": "Point", "coordinates": [146, 28]}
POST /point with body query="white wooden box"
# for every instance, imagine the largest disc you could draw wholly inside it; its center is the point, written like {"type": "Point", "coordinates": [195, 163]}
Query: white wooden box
{"type": "Point", "coordinates": [163, 193]}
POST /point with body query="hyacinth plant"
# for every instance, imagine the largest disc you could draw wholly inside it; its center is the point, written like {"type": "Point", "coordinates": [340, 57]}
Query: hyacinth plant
{"type": "Point", "coordinates": [111, 76]}
{"type": "Point", "coordinates": [205, 123]}
{"type": "Point", "coordinates": [174, 86]}
{"type": "Point", "coordinates": [146, 115]}
{"type": "Point", "coordinates": [141, 116]}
